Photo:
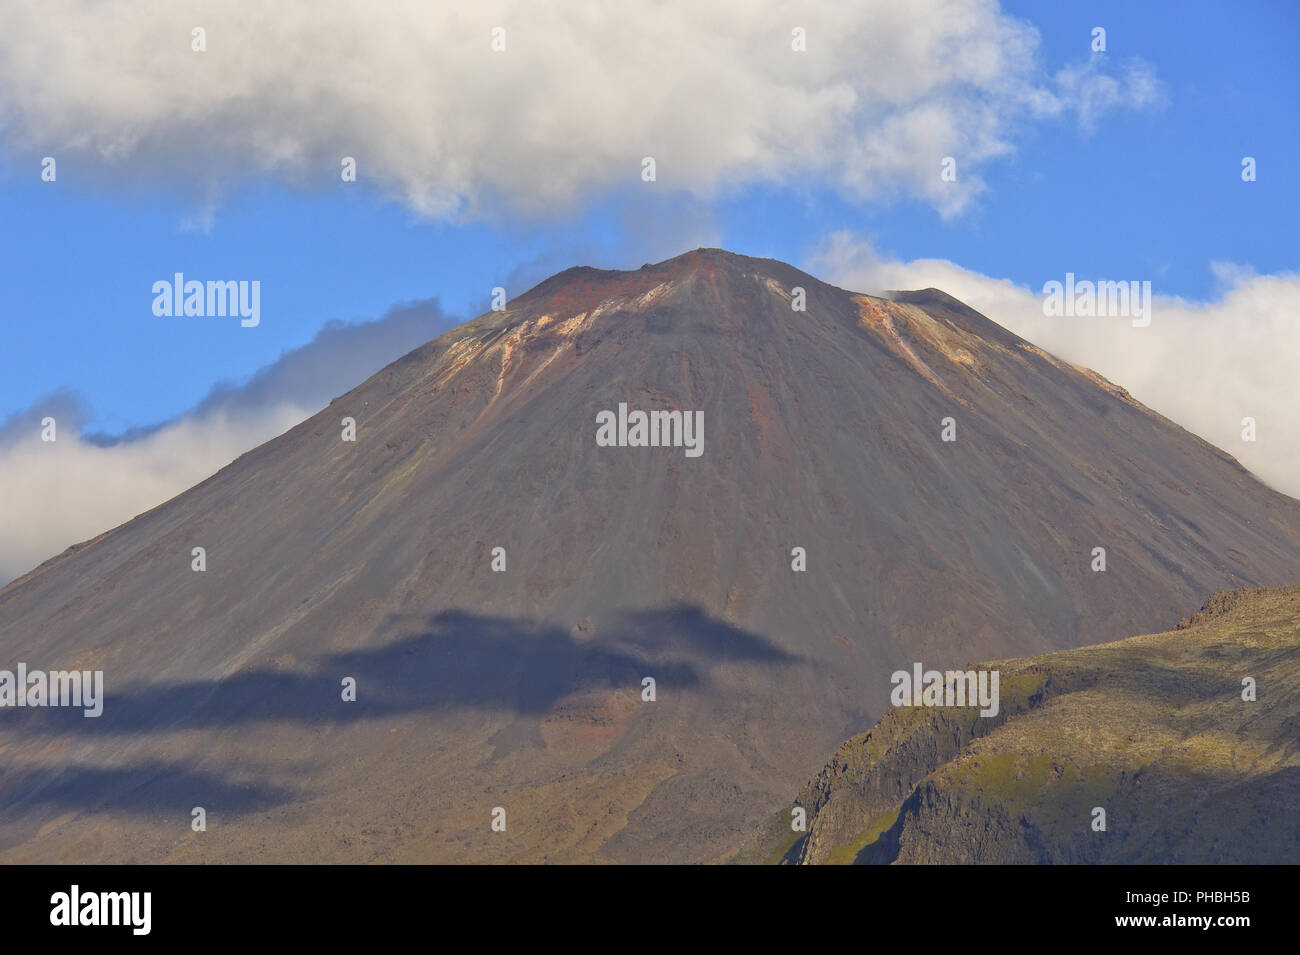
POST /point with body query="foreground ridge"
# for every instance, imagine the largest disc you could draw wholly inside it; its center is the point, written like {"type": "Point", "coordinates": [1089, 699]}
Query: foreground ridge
{"type": "Point", "coordinates": [1186, 741]}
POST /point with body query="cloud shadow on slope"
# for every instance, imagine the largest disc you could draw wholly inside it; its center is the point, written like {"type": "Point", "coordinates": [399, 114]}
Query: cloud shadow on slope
{"type": "Point", "coordinates": [450, 659]}
{"type": "Point", "coordinates": [143, 789]}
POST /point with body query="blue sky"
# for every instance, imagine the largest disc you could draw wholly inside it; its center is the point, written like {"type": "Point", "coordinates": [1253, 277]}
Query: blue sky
{"type": "Point", "coordinates": [1148, 193]}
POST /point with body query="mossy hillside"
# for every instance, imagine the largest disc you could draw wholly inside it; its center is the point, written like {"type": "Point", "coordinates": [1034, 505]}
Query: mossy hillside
{"type": "Point", "coordinates": [1153, 729]}
{"type": "Point", "coordinates": [850, 852]}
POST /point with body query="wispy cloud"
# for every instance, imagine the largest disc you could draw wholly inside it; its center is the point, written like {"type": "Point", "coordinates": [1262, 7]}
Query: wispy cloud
{"type": "Point", "coordinates": [1091, 90]}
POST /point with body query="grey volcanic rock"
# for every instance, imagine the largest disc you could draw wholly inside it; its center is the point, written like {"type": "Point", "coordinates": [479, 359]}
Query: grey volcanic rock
{"type": "Point", "coordinates": [477, 689]}
{"type": "Point", "coordinates": [1152, 730]}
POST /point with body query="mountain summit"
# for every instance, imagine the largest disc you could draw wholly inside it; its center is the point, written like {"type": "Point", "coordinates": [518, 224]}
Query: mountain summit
{"type": "Point", "coordinates": [637, 653]}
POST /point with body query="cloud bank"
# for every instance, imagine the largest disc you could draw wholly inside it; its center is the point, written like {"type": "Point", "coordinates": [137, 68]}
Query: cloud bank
{"type": "Point", "coordinates": [435, 117]}
{"type": "Point", "coordinates": [1205, 365]}
{"type": "Point", "coordinates": [83, 484]}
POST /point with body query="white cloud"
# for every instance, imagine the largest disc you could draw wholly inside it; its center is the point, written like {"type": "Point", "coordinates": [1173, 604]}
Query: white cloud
{"type": "Point", "coordinates": [1090, 92]}
{"type": "Point", "coordinates": [81, 485]}
{"type": "Point", "coordinates": [1205, 365]}
{"type": "Point", "coordinates": [73, 490]}
{"type": "Point", "coordinates": [583, 91]}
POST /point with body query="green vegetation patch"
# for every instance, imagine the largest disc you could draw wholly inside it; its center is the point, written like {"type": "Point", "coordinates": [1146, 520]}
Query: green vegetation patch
{"type": "Point", "coordinates": [847, 853]}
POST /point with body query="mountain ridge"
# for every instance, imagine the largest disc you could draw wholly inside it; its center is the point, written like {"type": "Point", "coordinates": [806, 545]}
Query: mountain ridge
{"type": "Point", "coordinates": [1152, 729]}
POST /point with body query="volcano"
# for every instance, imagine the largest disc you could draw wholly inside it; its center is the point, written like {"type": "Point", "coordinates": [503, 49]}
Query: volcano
{"type": "Point", "coordinates": [445, 620]}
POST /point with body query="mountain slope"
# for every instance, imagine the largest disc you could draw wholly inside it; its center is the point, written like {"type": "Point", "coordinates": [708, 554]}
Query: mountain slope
{"type": "Point", "coordinates": [372, 559]}
{"type": "Point", "coordinates": [1153, 729]}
